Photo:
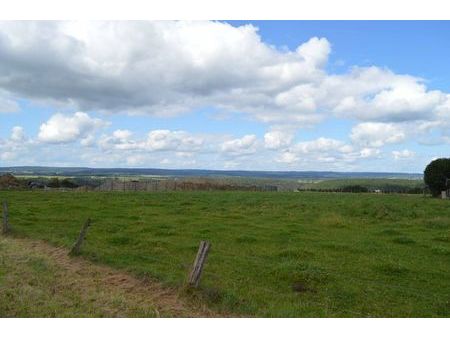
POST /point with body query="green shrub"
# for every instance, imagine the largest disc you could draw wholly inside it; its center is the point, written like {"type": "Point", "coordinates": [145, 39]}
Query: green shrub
{"type": "Point", "coordinates": [66, 183]}
{"type": "Point", "coordinates": [54, 183]}
{"type": "Point", "coordinates": [354, 188]}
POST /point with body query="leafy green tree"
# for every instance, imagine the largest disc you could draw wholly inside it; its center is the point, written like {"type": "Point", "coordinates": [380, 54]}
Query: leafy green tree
{"type": "Point", "coordinates": [437, 175]}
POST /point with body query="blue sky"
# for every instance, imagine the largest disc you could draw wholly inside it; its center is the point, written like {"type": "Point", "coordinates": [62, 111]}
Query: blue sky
{"type": "Point", "coordinates": [261, 95]}
{"type": "Point", "coordinates": [420, 48]}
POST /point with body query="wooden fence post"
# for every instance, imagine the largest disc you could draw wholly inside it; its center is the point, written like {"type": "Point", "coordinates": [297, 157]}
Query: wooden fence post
{"type": "Point", "coordinates": [194, 276]}
{"type": "Point", "coordinates": [6, 226]}
{"type": "Point", "coordinates": [77, 246]}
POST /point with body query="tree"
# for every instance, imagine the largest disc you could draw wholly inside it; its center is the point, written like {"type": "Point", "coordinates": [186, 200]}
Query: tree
{"type": "Point", "coordinates": [354, 188]}
{"type": "Point", "coordinates": [53, 183]}
{"type": "Point", "coordinates": [436, 174]}
{"type": "Point", "coordinates": [66, 183]}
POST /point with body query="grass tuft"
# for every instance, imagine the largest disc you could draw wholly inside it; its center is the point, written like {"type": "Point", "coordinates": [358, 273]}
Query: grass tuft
{"type": "Point", "coordinates": [404, 240]}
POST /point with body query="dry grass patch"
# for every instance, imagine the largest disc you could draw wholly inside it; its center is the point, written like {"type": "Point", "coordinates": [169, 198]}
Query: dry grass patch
{"type": "Point", "coordinates": [38, 280]}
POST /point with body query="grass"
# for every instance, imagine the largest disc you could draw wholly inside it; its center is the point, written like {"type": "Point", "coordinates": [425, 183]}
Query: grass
{"type": "Point", "coordinates": [273, 254]}
{"type": "Point", "coordinates": [370, 183]}
{"type": "Point", "coordinates": [39, 281]}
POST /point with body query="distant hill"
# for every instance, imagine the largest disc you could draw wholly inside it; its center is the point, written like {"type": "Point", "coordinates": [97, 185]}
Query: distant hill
{"type": "Point", "coordinates": [102, 172]}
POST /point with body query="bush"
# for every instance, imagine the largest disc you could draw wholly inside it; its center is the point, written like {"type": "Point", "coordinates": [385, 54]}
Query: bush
{"type": "Point", "coordinates": [53, 183]}
{"type": "Point", "coordinates": [416, 190]}
{"type": "Point", "coordinates": [354, 188]}
{"type": "Point", "coordinates": [66, 183]}
{"type": "Point", "coordinates": [435, 175]}
{"type": "Point", "coordinates": [8, 181]}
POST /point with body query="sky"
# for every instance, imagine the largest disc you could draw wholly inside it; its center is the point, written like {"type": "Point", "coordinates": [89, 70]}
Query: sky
{"type": "Point", "coordinates": [257, 95]}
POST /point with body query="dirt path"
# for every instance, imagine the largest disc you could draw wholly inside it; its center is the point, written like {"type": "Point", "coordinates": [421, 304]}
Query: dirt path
{"type": "Point", "coordinates": [37, 279]}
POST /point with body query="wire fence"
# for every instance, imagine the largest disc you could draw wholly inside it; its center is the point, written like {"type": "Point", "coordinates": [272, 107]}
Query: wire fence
{"type": "Point", "coordinates": [179, 185]}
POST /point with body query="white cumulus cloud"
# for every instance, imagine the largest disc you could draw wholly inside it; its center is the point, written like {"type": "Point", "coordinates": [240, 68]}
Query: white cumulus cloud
{"type": "Point", "coordinates": [168, 67]}
{"type": "Point", "coordinates": [240, 146]}
{"type": "Point", "coordinates": [62, 128]}
{"type": "Point", "coordinates": [156, 140]}
{"type": "Point", "coordinates": [377, 134]}
{"type": "Point", "coordinates": [277, 139]}
{"type": "Point", "coordinates": [172, 140]}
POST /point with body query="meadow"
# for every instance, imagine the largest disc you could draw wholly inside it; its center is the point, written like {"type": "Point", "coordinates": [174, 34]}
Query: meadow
{"type": "Point", "coordinates": [273, 254]}
{"type": "Point", "coordinates": [384, 184]}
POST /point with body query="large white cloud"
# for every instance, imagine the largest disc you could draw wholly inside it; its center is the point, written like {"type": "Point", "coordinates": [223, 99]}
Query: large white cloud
{"type": "Point", "coordinates": [172, 140]}
{"type": "Point", "coordinates": [15, 148]}
{"type": "Point", "coordinates": [377, 134]}
{"type": "Point", "coordinates": [334, 154]}
{"type": "Point", "coordinates": [240, 146]}
{"type": "Point", "coordinates": [152, 67]}
{"type": "Point", "coordinates": [62, 128]}
{"type": "Point", "coordinates": [321, 145]}
{"type": "Point", "coordinates": [277, 139]}
{"type": "Point", "coordinates": [157, 140]}
{"type": "Point", "coordinates": [377, 94]}
{"type": "Point", "coordinates": [164, 68]}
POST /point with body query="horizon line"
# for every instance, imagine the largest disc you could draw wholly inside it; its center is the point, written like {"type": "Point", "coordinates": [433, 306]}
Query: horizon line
{"type": "Point", "coordinates": [219, 170]}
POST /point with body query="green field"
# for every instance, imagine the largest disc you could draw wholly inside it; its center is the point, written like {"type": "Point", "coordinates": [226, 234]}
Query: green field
{"type": "Point", "coordinates": [273, 254]}
{"type": "Point", "coordinates": [370, 183]}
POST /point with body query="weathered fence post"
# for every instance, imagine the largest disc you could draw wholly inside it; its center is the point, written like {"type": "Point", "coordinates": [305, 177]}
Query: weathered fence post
{"type": "Point", "coordinates": [77, 246]}
{"type": "Point", "coordinates": [194, 276]}
{"type": "Point", "coordinates": [6, 226]}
